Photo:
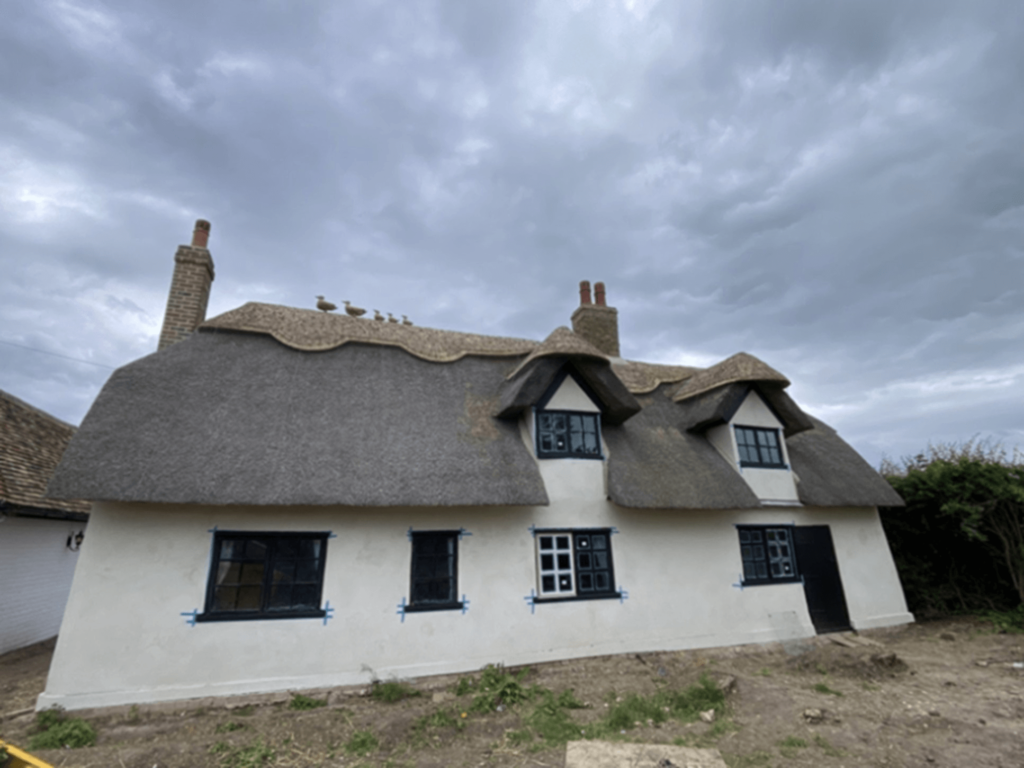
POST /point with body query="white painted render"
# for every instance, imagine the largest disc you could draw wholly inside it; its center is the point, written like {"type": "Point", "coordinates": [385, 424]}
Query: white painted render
{"type": "Point", "coordinates": [772, 485]}
{"type": "Point", "coordinates": [36, 568]}
{"type": "Point", "coordinates": [571, 397]}
{"type": "Point", "coordinates": [124, 638]}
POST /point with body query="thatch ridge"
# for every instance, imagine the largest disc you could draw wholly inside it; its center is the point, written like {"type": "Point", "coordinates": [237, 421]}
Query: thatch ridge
{"type": "Point", "coordinates": [739, 367]}
{"type": "Point", "coordinates": [312, 331]}
{"type": "Point", "coordinates": [562, 342]}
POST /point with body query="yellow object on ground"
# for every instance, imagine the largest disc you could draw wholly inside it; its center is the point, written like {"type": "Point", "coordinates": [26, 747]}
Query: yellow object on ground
{"type": "Point", "coordinates": [20, 759]}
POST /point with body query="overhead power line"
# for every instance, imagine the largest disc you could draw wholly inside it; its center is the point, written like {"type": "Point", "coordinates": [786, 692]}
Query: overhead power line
{"type": "Point", "coordinates": [55, 354]}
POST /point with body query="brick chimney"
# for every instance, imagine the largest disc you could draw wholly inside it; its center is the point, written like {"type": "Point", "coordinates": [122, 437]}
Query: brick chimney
{"type": "Point", "coordinates": [597, 323]}
{"type": "Point", "coordinates": [190, 288]}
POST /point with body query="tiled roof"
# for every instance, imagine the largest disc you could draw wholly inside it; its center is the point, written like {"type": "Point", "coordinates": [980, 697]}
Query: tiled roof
{"type": "Point", "coordinates": [31, 445]}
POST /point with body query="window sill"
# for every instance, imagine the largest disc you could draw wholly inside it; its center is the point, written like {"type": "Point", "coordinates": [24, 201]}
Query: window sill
{"type": "Point", "coordinates": [255, 616]}
{"type": "Point", "coordinates": [424, 607]}
{"type": "Point", "coordinates": [770, 582]}
{"type": "Point", "coordinates": [568, 456]}
{"type": "Point", "coordinates": [749, 465]}
{"type": "Point", "coordinates": [577, 598]}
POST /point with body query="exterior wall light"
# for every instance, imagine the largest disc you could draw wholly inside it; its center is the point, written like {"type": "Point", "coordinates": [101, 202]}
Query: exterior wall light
{"type": "Point", "coordinates": [75, 541]}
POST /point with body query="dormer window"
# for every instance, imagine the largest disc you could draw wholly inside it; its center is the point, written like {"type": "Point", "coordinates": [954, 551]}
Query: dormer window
{"type": "Point", "coordinates": [759, 447]}
{"type": "Point", "coordinates": [568, 434]}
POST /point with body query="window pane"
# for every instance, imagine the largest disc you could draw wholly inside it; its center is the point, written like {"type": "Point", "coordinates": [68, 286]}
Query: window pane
{"type": "Point", "coordinates": [562, 542]}
{"type": "Point", "coordinates": [304, 597]}
{"type": "Point", "coordinates": [762, 570]}
{"type": "Point", "coordinates": [249, 598]}
{"type": "Point", "coordinates": [599, 540]}
{"type": "Point", "coordinates": [583, 560]}
{"type": "Point", "coordinates": [284, 573]}
{"type": "Point", "coordinates": [586, 582]}
{"type": "Point", "coordinates": [755, 537]}
{"type": "Point", "coordinates": [582, 541]}
{"type": "Point", "coordinates": [602, 581]}
{"type": "Point", "coordinates": [280, 596]}
{"type": "Point", "coordinates": [224, 598]}
{"type": "Point", "coordinates": [229, 573]}
{"type": "Point", "coordinates": [546, 542]}
{"type": "Point", "coordinates": [749, 570]}
{"type": "Point", "coordinates": [255, 550]}
{"type": "Point", "coordinates": [564, 563]}
{"type": "Point", "coordinates": [547, 562]}
{"type": "Point", "coordinates": [252, 573]}
{"type": "Point", "coordinates": [547, 584]}
{"type": "Point", "coordinates": [307, 570]}
{"type": "Point", "coordinates": [600, 559]}
{"type": "Point", "coordinates": [564, 582]}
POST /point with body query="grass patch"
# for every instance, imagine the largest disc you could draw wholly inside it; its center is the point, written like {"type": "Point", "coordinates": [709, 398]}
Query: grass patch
{"type": "Point", "coordinates": [822, 743]}
{"type": "Point", "coordinates": [822, 688]}
{"type": "Point", "coordinates": [56, 731]}
{"type": "Point", "coordinates": [362, 743]}
{"type": "Point", "coordinates": [245, 711]}
{"type": "Point", "coordinates": [789, 745]}
{"type": "Point", "coordinates": [685, 705]}
{"type": "Point", "coordinates": [764, 672]}
{"type": "Point", "coordinates": [498, 688]}
{"type": "Point", "coordinates": [301, 702]}
{"type": "Point", "coordinates": [229, 726]}
{"type": "Point", "coordinates": [252, 756]}
{"type": "Point", "coordinates": [550, 720]}
{"type": "Point", "coordinates": [392, 690]}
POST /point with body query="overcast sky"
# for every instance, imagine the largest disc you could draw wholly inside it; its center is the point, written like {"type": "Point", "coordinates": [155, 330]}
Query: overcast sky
{"type": "Point", "coordinates": [836, 188]}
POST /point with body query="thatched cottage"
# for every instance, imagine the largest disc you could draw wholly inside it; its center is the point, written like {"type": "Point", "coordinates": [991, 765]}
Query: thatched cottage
{"type": "Point", "coordinates": [286, 499]}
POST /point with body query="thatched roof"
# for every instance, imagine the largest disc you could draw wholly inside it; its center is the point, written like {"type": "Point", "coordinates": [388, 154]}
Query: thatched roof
{"type": "Point", "coordinates": [277, 406]}
{"type": "Point", "coordinates": [739, 367]}
{"type": "Point", "coordinates": [654, 463]}
{"type": "Point", "coordinates": [562, 342]}
{"type": "Point", "coordinates": [227, 418]}
{"type": "Point", "coordinates": [534, 377]}
{"type": "Point", "coordinates": [31, 445]}
{"type": "Point", "coordinates": [717, 406]}
{"type": "Point", "coordinates": [832, 474]}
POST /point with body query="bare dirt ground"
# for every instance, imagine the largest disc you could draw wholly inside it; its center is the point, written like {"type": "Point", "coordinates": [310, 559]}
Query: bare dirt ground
{"type": "Point", "coordinates": [949, 697]}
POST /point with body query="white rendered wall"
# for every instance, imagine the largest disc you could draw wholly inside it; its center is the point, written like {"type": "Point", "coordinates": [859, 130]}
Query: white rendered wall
{"type": "Point", "coordinates": [125, 640]}
{"type": "Point", "coordinates": [774, 485]}
{"type": "Point", "coordinates": [36, 568]}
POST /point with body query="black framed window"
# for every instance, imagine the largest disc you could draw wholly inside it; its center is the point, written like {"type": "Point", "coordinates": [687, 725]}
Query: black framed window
{"type": "Point", "coordinates": [767, 554]}
{"type": "Point", "coordinates": [435, 571]}
{"type": "Point", "coordinates": [759, 447]}
{"type": "Point", "coordinates": [568, 434]}
{"type": "Point", "coordinates": [575, 564]}
{"type": "Point", "coordinates": [265, 576]}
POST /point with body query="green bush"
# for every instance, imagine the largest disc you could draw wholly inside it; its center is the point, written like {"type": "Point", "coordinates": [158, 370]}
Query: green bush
{"type": "Point", "coordinates": [498, 687]}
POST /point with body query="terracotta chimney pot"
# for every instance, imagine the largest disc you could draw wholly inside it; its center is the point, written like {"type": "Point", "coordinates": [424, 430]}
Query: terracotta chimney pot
{"type": "Point", "coordinates": [201, 234]}
{"type": "Point", "coordinates": [599, 294]}
{"type": "Point", "coordinates": [584, 292]}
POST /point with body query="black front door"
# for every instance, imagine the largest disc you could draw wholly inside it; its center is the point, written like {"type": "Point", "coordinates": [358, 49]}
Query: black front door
{"type": "Point", "coordinates": [816, 562]}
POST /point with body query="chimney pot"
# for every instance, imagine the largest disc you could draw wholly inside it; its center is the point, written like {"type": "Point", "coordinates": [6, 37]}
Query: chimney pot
{"type": "Point", "coordinates": [584, 292]}
{"type": "Point", "coordinates": [599, 294]}
{"type": "Point", "coordinates": [201, 234]}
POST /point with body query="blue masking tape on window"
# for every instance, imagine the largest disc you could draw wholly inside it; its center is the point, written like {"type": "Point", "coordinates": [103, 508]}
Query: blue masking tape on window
{"type": "Point", "coordinates": [212, 530]}
{"type": "Point", "coordinates": [739, 585]}
{"type": "Point", "coordinates": [401, 608]}
{"type": "Point", "coordinates": [613, 530]}
{"type": "Point", "coordinates": [328, 612]}
{"type": "Point", "coordinates": [623, 595]}
{"type": "Point", "coordinates": [408, 534]}
{"type": "Point", "coordinates": [463, 532]}
{"type": "Point", "coordinates": [465, 605]}
{"type": "Point", "coordinates": [331, 535]}
{"type": "Point", "coordinates": [192, 616]}
{"type": "Point", "coordinates": [532, 599]}
{"type": "Point", "coordinates": [533, 530]}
